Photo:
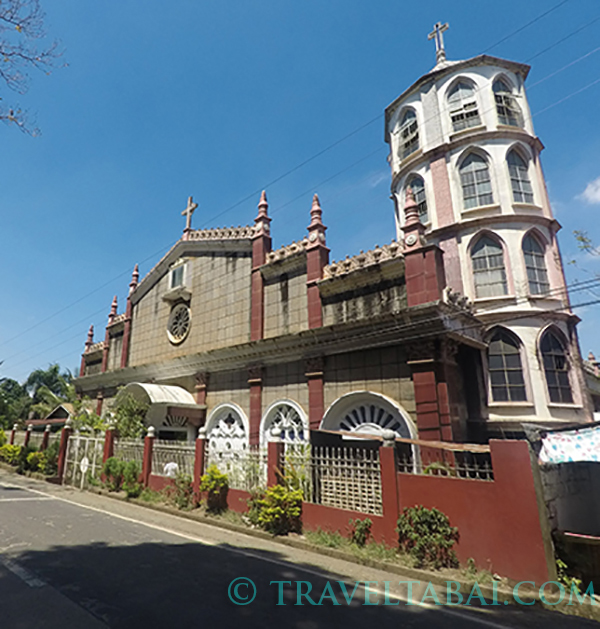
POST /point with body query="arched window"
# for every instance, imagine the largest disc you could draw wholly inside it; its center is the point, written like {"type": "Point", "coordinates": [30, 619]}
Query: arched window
{"type": "Point", "coordinates": [476, 182]}
{"type": "Point", "coordinates": [505, 369]}
{"type": "Point", "coordinates": [508, 111]}
{"type": "Point", "coordinates": [519, 178]}
{"type": "Point", "coordinates": [463, 107]}
{"type": "Point", "coordinates": [288, 420]}
{"type": "Point", "coordinates": [409, 134]}
{"type": "Point", "coordinates": [535, 263]}
{"type": "Point", "coordinates": [556, 367]}
{"type": "Point", "coordinates": [417, 185]}
{"type": "Point", "coordinates": [489, 270]}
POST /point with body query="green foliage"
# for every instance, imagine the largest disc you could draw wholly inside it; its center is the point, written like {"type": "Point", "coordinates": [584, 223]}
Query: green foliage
{"type": "Point", "coordinates": [563, 577]}
{"type": "Point", "coordinates": [49, 462]}
{"type": "Point", "coordinates": [440, 468]}
{"type": "Point", "coordinates": [23, 463]}
{"type": "Point", "coordinates": [129, 415]}
{"type": "Point", "coordinates": [151, 496]}
{"type": "Point", "coordinates": [280, 510]}
{"type": "Point", "coordinates": [34, 461]}
{"type": "Point", "coordinates": [113, 470]}
{"type": "Point", "coordinates": [217, 485]}
{"type": "Point", "coordinates": [329, 539]}
{"type": "Point", "coordinates": [427, 537]}
{"type": "Point", "coordinates": [2, 437]}
{"type": "Point", "coordinates": [182, 492]}
{"type": "Point", "coordinates": [254, 502]}
{"type": "Point", "coordinates": [131, 485]}
{"type": "Point", "coordinates": [14, 402]}
{"type": "Point", "coordinates": [360, 531]}
{"type": "Point", "coordinates": [10, 454]}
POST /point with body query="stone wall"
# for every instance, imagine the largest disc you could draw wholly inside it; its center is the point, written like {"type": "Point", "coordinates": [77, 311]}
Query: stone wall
{"type": "Point", "coordinates": [286, 309]}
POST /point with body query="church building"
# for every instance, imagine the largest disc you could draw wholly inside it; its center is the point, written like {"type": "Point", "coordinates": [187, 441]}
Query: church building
{"type": "Point", "coordinates": [458, 329]}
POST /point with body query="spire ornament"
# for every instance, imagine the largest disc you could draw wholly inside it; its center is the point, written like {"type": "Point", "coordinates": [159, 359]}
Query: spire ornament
{"type": "Point", "coordinates": [438, 34]}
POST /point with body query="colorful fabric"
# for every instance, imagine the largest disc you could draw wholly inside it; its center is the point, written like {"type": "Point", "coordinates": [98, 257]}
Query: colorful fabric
{"type": "Point", "coordinates": [572, 445]}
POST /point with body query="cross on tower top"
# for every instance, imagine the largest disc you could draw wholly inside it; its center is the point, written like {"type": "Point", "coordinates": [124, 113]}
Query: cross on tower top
{"type": "Point", "coordinates": [438, 35]}
{"type": "Point", "coordinates": [189, 210]}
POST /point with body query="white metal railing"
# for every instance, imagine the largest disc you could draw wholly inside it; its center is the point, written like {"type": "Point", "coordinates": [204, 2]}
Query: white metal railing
{"type": "Point", "coordinates": [246, 469]}
{"type": "Point", "coordinates": [172, 457]}
{"type": "Point", "coordinates": [346, 478]}
{"type": "Point", "coordinates": [35, 439]}
{"type": "Point", "coordinates": [20, 437]}
{"type": "Point", "coordinates": [129, 450]}
{"type": "Point", "coordinates": [83, 461]}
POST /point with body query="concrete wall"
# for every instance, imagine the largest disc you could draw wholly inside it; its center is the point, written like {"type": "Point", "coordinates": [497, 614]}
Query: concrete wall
{"type": "Point", "coordinates": [286, 309]}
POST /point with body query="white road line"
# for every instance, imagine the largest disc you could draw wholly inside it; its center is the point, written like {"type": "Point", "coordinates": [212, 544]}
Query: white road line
{"type": "Point", "coordinates": [286, 564]}
{"type": "Point", "coordinates": [23, 574]}
{"type": "Point", "coordinates": [40, 499]}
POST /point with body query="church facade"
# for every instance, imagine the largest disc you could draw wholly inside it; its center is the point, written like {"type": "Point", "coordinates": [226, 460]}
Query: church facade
{"type": "Point", "coordinates": [458, 330]}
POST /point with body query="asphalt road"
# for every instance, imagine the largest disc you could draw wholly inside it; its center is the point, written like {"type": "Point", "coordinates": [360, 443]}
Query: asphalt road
{"type": "Point", "coordinates": [76, 560]}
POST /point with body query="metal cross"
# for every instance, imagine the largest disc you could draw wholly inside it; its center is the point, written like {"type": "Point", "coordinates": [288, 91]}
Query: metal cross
{"type": "Point", "coordinates": [189, 210]}
{"type": "Point", "coordinates": [437, 34]}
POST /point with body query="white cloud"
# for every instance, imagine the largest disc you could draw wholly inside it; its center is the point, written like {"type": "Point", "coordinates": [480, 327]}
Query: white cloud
{"type": "Point", "coordinates": [591, 194]}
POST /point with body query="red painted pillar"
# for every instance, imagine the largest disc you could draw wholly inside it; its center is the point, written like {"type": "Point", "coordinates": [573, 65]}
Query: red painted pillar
{"type": "Point", "coordinates": [45, 438]}
{"type": "Point", "coordinates": [147, 461]}
{"type": "Point", "coordinates": [261, 246]}
{"type": "Point", "coordinates": [317, 257]}
{"type": "Point", "coordinates": [199, 461]}
{"type": "Point", "coordinates": [62, 453]}
{"type": "Point", "coordinates": [316, 397]}
{"type": "Point", "coordinates": [128, 312]}
{"type": "Point", "coordinates": [28, 435]}
{"type": "Point", "coordinates": [111, 318]}
{"type": "Point", "coordinates": [13, 434]}
{"type": "Point", "coordinates": [201, 388]}
{"type": "Point", "coordinates": [109, 444]}
{"type": "Point", "coordinates": [88, 343]}
{"type": "Point", "coordinates": [389, 486]}
{"type": "Point", "coordinates": [255, 383]}
{"type": "Point", "coordinates": [275, 462]}
{"type": "Point", "coordinates": [99, 403]}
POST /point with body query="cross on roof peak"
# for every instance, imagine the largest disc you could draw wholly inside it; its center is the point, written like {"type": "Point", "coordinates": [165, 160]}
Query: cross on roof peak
{"type": "Point", "coordinates": [189, 210]}
{"type": "Point", "coordinates": [438, 35]}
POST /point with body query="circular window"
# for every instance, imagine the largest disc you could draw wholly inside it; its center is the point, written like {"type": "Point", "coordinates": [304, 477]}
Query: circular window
{"type": "Point", "coordinates": [180, 321]}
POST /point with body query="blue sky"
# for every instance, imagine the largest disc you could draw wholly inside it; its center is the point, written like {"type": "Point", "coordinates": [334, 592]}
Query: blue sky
{"type": "Point", "coordinates": [217, 99]}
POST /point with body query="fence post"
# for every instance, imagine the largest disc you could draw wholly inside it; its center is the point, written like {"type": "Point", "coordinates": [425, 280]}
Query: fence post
{"type": "Point", "coordinates": [45, 438]}
{"type": "Point", "coordinates": [62, 453]}
{"type": "Point", "coordinates": [109, 444]}
{"type": "Point", "coordinates": [147, 461]}
{"type": "Point", "coordinates": [275, 458]}
{"type": "Point", "coordinates": [199, 461]}
{"type": "Point", "coordinates": [389, 484]}
{"type": "Point", "coordinates": [13, 433]}
{"type": "Point", "coordinates": [27, 435]}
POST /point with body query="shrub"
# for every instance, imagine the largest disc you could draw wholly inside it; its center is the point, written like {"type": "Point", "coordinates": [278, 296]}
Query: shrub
{"type": "Point", "coordinates": [23, 460]}
{"type": "Point", "coordinates": [2, 437]}
{"type": "Point", "coordinates": [426, 536]}
{"type": "Point", "coordinates": [131, 485]}
{"type": "Point", "coordinates": [49, 463]}
{"type": "Point", "coordinates": [360, 531]}
{"type": "Point", "coordinates": [253, 513]}
{"type": "Point", "coordinates": [10, 454]}
{"type": "Point", "coordinates": [112, 470]}
{"type": "Point", "coordinates": [217, 486]}
{"type": "Point", "coordinates": [34, 461]}
{"type": "Point", "coordinates": [280, 510]}
{"type": "Point", "coordinates": [182, 492]}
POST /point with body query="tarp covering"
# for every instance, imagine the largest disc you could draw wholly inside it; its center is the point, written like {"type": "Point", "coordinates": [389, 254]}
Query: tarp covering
{"type": "Point", "coordinates": [159, 393]}
{"type": "Point", "coordinates": [582, 444]}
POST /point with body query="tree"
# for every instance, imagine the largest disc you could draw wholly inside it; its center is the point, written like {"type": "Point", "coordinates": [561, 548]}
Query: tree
{"type": "Point", "coordinates": [129, 415]}
{"type": "Point", "coordinates": [14, 402]}
{"type": "Point", "coordinates": [21, 49]}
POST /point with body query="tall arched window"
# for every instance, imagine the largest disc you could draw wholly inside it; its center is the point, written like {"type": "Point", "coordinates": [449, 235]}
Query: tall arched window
{"type": "Point", "coordinates": [535, 263]}
{"type": "Point", "coordinates": [409, 134]}
{"type": "Point", "coordinates": [508, 111]}
{"type": "Point", "coordinates": [556, 367]}
{"type": "Point", "coordinates": [505, 369]}
{"type": "Point", "coordinates": [489, 271]}
{"type": "Point", "coordinates": [519, 178]}
{"type": "Point", "coordinates": [417, 185]}
{"type": "Point", "coordinates": [462, 105]}
{"type": "Point", "coordinates": [476, 182]}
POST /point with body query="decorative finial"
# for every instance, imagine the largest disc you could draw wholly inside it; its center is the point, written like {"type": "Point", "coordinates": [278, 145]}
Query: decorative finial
{"type": "Point", "coordinates": [411, 209]}
{"type": "Point", "coordinates": [90, 337]}
{"type": "Point", "coordinates": [591, 357]}
{"type": "Point", "coordinates": [189, 210]}
{"type": "Point", "coordinates": [316, 213]}
{"type": "Point", "coordinates": [437, 34]}
{"type": "Point", "coordinates": [113, 310]}
{"type": "Point", "coordinates": [263, 206]}
{"type": "Point", "coordinates": [135, 278]}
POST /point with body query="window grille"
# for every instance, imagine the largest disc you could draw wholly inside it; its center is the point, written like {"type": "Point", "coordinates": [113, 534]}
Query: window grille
{"type": "Point", "coordinates": [519, 178]}
{"type": "Point", "coordinates": [507, 108]}
{"type": "Point", "coordinates": [489, 271]}
{"type": "Point", "coordinates": [409, 134]}
{"type": "Point", "coordinates": [463, 107]}
{"type": "Point", "coordinates": [505, 369]}
{"type": "Point", "coordinates": [476, 182]}
{"type": "Point", "coordinates": [417, 185]}
{"type": "Point", "coordinates": [556, 368]}
{"type": "Point", "coordinates": [535, 263]}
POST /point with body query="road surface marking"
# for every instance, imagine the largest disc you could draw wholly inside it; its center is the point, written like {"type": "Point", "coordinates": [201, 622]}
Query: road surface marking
{"type": "Point", "coordinates": [23, 574]}
{"type": "Point", "coordinates": [40, 499]}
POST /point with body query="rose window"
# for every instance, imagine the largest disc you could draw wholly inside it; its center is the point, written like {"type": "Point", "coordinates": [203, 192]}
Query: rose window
{"type": "Point", "coordinates": [179, 324]}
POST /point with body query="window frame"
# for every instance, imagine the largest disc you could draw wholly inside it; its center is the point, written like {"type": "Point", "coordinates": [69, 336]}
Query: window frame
{"type": "Point", "coordinates": [407, 136]}
{"type": "Point", "coordinates": [507, 100]}
{"type": "Point", "coordinates": [523, 370]}
{"type": "Point", "coordinates": [532, 235]}
{"type": "Point", "coordinates": [423, 205]}
{"type": "Point", "coordinates": [175, 269]}
{"type": "Point", "coordinates": [500, 267]}
{"type": "Point", "coordinates": [478, 196]}
{"type": "Point", "coordinates": [526, 163]}
{"type": "Point", "coordinates": [568, 367]}
{"type": "Point", "coordinates": [462, 111]}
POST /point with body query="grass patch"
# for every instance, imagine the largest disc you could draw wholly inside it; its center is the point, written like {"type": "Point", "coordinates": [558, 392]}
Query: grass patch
{"type": "Point", "coordinates": [327, 539]}
{"type": "Point", "coordinates": [371, 550]}
{"type": "Point", "coordinates": [151, 496]}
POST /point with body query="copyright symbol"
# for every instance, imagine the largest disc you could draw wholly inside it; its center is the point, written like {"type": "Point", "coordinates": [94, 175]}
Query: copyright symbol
{"type": "Point", "coordinates": [241, 591]}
